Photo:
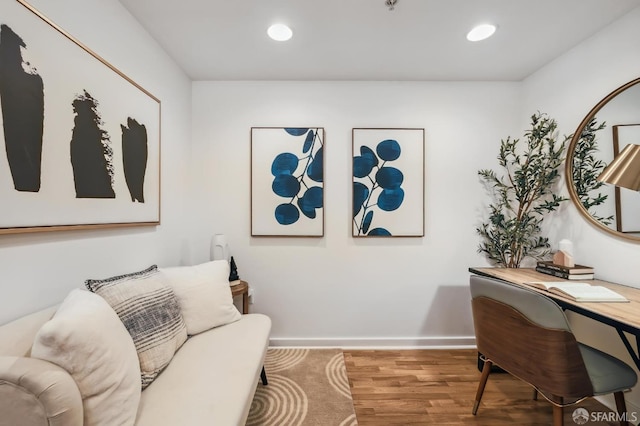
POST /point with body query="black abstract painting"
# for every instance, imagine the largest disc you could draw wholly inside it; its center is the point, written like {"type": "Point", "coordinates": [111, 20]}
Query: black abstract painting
{"type": "Point", "coordinates": [134, 157]}
{"type": "Point", "coordinates": [22, 99]}
{"type": "Point", "coordinates": [82, 140]}
{"type": "Point", "coordinates": [91, 152]}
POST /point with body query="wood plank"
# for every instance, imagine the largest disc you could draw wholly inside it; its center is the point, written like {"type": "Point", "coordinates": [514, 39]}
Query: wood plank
{"type": "Point", "coordinates": [439, 388]}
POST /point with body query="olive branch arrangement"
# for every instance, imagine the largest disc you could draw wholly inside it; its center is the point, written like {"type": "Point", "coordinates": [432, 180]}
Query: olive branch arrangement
{"type": "Point", "coordinates": [523, 196]}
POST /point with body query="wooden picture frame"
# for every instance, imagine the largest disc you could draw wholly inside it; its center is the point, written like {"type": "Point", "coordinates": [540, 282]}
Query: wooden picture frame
{"type": "Point", "coordinates": [81, 139]}
{"type": "Point", "coordinates": [388, 182]}
{"type": "Point", "coordinates": [287, 181]}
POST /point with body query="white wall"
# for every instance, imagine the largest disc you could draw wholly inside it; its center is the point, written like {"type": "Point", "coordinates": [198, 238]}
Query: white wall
{"type": "Point", "coordinates": [38, 270]}
{"type": "Point", "coordinates": [337, 289]}
{"type": "Point", "coordinates": [567, 89]}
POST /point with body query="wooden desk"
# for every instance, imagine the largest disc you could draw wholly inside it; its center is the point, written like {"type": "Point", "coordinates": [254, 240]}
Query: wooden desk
{"type": "Point", "coordinates": [242, 289]}
{"type": "Point", "coordinates": [624, 317]}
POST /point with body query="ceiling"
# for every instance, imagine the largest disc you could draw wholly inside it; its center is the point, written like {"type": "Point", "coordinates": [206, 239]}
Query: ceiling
{"type": "Point", "coordinates": [364, 40]}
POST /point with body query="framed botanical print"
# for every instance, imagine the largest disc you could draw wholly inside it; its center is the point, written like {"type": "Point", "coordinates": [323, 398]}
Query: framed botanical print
{"type": "Point", "coordinates": [388, 182]}
{"type": "Point", "coordinates": [287, 181]}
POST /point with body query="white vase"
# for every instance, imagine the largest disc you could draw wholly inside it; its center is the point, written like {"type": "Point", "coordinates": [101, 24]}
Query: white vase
{"type": "Point", "coordinates": [219, 247]}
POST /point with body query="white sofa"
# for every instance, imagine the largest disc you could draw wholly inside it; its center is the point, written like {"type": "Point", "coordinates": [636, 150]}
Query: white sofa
{"type": "Point", "coordinates": [211, 379]}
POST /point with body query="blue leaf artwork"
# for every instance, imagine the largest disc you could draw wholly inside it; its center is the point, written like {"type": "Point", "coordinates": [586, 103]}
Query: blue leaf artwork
{"type": "Point", "coordinates": [388, 182]}
{"type": "Point", "coordinates": [298, 175]}
{"type": "Point", "coordinates": [384, 189]}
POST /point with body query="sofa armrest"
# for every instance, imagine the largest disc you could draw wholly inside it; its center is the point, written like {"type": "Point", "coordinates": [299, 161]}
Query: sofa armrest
{"type": "Point", "coordinates": [37, 392]}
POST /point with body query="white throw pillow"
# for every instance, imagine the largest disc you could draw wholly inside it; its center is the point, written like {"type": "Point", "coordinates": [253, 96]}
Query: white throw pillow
{"type": "Point", "coordinates": [203, 294]}
{"type": "Point", "coordinates": [88, 340]}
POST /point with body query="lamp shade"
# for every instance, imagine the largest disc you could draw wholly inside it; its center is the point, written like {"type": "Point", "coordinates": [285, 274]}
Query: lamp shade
{"type": "Point", "coordinates": [624, 170]}
{"type": "Point", "coordinates": [219, 247]}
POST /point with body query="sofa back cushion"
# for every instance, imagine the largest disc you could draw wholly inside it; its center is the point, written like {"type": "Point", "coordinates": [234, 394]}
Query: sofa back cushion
{"type": "Point", "coordinates": [87, 339]}
{"type": "Point", "coordinates": [204, 294]}
{"type": "Point", "coordinates": [150, 312]}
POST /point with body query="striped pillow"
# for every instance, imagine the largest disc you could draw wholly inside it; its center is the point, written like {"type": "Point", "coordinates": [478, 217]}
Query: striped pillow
{"type": "Point", "coordinates": [150, 312]}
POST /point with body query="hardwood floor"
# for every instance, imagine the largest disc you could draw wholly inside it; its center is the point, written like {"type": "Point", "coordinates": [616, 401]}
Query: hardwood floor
{"type": "Point", "coordinates": [438, 387]}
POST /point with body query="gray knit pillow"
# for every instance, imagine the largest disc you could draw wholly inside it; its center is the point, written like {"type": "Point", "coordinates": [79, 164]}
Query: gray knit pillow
{"type": "Point", "coordinates": [150, 312]}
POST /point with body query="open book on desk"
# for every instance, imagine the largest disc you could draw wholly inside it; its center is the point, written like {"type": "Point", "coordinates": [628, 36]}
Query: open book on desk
{"type": "Point", "coordinates": [579, 292]}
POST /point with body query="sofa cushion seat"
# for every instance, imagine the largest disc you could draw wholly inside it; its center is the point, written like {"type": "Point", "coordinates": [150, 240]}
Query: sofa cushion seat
{"type": "Point", "coordinates": [211, 378]}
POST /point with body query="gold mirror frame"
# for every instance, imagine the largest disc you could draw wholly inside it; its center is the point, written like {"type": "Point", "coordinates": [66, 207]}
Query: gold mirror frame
{"type": "Point", "coordinates": [569, 164]}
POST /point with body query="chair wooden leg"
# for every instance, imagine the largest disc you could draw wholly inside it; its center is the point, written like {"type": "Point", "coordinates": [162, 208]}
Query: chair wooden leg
{"type": "Point", "coordinates": [621, 406]}
{"type": "Point", "coordinates": [558, 416]}
{"type": "Point", "coordinates": [483, 381]}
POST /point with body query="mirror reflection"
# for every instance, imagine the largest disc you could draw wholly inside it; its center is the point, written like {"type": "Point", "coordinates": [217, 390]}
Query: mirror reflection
{"type": "Point", "coordinates": [611, 125]}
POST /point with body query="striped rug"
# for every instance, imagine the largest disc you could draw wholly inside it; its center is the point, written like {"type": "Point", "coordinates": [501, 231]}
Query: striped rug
{"type": "Point", "coordinates": [306, 387]}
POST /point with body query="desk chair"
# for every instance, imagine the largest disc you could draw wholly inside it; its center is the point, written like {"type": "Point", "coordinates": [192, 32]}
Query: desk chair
{"type": "Point", "coordinates": [527, 334]}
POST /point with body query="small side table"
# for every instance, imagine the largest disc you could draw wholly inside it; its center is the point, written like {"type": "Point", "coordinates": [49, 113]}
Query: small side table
{"type": "Point", "coordinates": [242, 289]}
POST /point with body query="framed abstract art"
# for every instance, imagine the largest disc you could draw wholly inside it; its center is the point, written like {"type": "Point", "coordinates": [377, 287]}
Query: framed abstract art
{"type": "Point", "coordinates": [388, 182]}
{"type": "Point", "coordinates": [80, 140]}
{"type": "Point", "coordinates": [287, 181]}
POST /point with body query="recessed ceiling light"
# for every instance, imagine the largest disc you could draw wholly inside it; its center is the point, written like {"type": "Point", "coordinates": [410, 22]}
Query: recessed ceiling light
{"type": "Point", "coordinates": [481, 32]}
{"type": "Point", "coordinates": [280, 32]}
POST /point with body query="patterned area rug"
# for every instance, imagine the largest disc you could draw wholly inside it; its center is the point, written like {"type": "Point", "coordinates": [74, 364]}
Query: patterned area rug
{"type": "Point", "coordinates": [306, 387]}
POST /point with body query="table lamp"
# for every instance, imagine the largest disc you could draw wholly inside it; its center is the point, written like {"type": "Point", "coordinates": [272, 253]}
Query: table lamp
{"type": "Point", "coordinates": [624, 170]}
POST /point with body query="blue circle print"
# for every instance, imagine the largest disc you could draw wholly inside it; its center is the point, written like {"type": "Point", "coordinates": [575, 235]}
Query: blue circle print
{"type": "Point", "coordinates": [284, 164]}
{"type": "Point", "coordinates": [286, 214]}
{"type": "Point", "coordinates": [389, 177]}
{"type": "Point", "coordinates": [285, 186]}
{"type": "Point", "coordinates": [388, 150]}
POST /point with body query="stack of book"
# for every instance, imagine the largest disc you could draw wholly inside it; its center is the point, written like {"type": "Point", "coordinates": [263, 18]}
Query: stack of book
{"type": "Point", "coordinates": [576, 272]}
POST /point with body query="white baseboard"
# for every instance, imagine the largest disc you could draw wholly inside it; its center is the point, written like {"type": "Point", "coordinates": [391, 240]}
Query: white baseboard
{"type": "Point", "coordinates": [455, 342]}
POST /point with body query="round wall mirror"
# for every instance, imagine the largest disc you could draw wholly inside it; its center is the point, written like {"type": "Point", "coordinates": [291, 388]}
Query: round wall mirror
{"type": "Point", "coordinates": [612, 124]}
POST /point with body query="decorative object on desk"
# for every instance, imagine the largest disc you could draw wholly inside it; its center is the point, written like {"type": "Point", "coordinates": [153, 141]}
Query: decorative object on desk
{"type": "Point", "coordinates": [566, 246]}
{"type": "Point", "coordinates": [287, 181]}
{"type": "Point", "coordinates": [219, 247]}
{"type": "Point", "coordinates": [387, 183]}
{"type": "Point", "coordinates": [99, 164]}
{"type": "Point", "coordinates": [522, 197]}
{"type": "Point", "coordinates": [563, 258]}
{"type": "Point", "coordinates": [233, 274]}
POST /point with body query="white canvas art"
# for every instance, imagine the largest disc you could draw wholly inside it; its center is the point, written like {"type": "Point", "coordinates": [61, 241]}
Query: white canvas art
{"type": "Point", "coordinates": [287, 181]}
{"type": "Point", "coordinates": [81, 141]}
{"type": "Point", "coordinates": [388, 183]}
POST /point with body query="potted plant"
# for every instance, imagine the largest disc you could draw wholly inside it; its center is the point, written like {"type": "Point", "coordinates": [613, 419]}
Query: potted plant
{"type": "Point", "coordinates": [522, 195]}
